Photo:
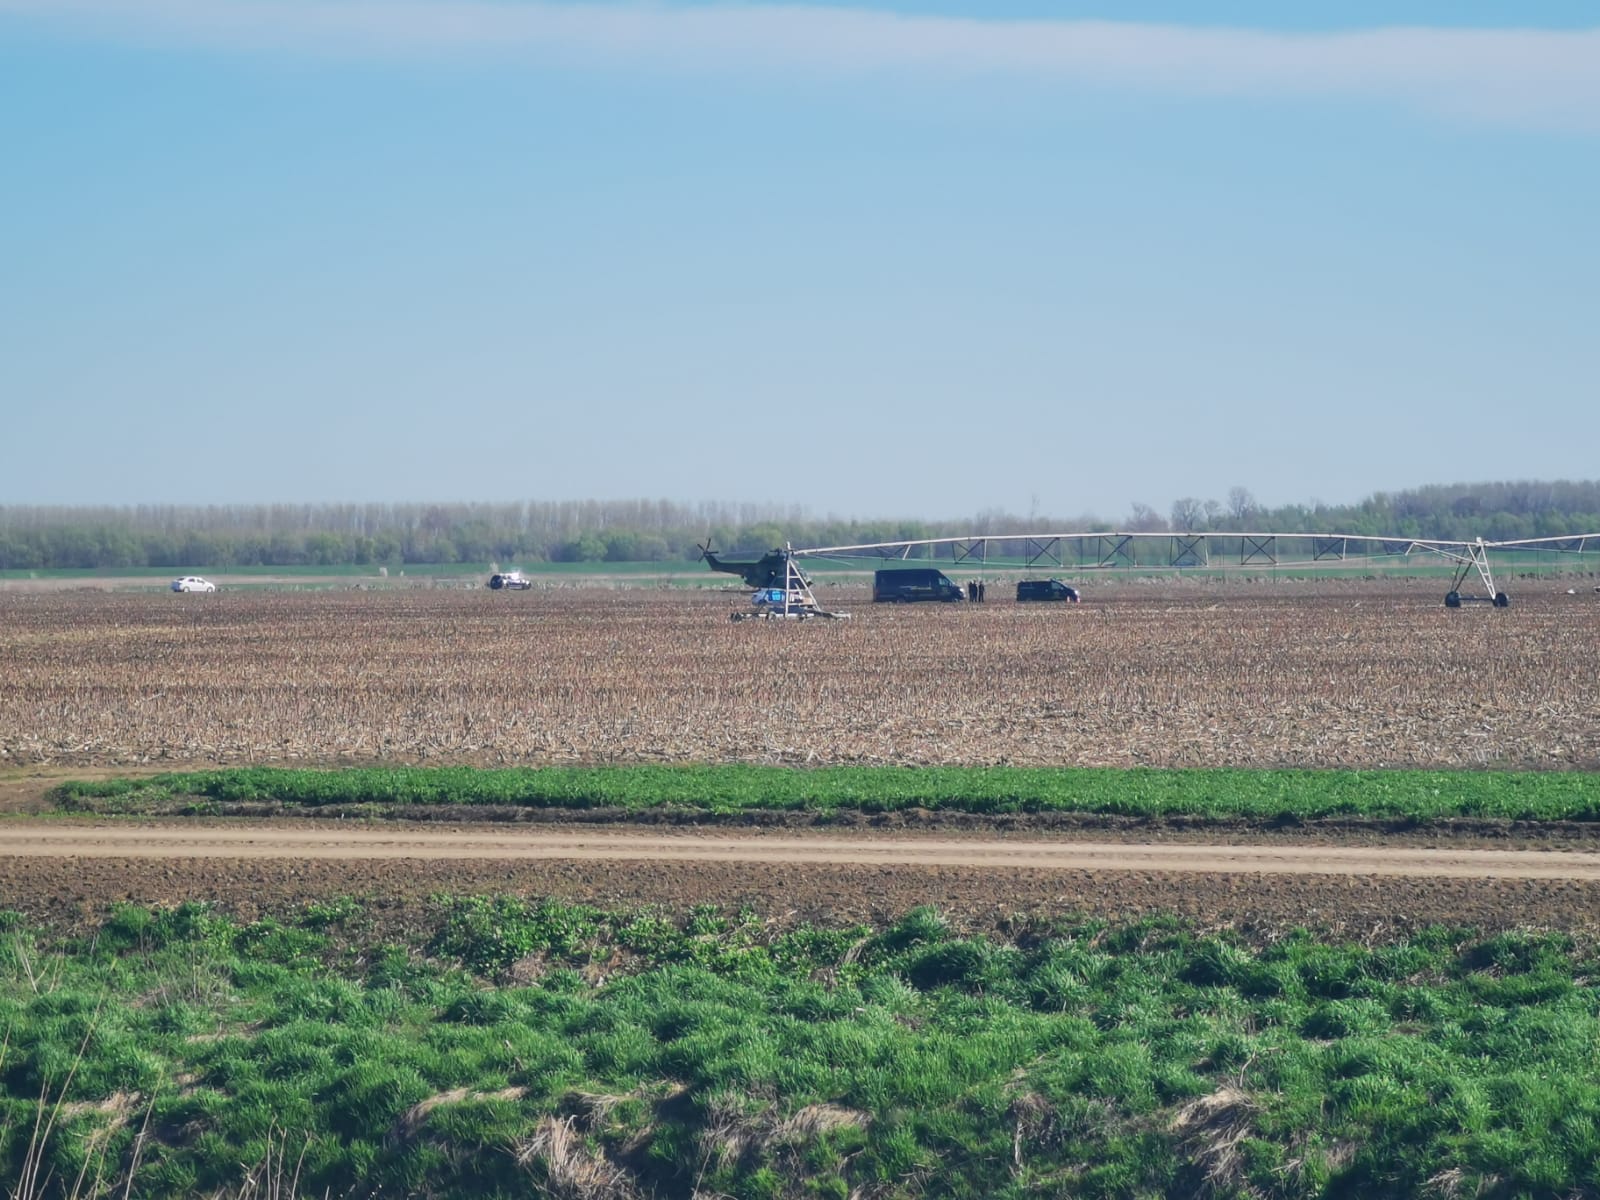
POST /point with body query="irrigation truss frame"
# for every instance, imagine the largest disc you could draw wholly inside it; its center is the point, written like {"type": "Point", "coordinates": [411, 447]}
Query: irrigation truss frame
{"type": "Point", "coordinates": [1109, 550]}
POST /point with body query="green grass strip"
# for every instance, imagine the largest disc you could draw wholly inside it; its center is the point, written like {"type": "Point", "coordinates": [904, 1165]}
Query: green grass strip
{"type": "Point", "coordinates": [1258, 794]}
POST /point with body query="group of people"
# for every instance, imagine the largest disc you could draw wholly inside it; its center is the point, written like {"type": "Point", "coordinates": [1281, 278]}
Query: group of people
{"type": "Point", "coordinates": [975, 590]}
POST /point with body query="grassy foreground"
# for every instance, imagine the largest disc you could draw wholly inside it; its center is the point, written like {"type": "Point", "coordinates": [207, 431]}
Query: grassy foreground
{"type": "Point", "coordinates": [515, 1047]}
{"type": "Point", "coordinates": [1220, 794]}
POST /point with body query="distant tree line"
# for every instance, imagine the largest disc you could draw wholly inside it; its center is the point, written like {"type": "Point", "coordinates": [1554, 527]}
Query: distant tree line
{"type": "Point", "coordinates": [1460, 511]}
{"type": "Point", "coordinates": [179, 536]}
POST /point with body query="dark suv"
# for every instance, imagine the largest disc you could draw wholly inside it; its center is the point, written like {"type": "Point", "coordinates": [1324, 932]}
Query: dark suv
{"type": "Point", "coordinates": [1046, 589]}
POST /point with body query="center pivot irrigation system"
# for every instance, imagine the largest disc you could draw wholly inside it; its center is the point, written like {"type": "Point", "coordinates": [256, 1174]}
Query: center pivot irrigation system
{"type": "Point", "coordinates": [783, 589]}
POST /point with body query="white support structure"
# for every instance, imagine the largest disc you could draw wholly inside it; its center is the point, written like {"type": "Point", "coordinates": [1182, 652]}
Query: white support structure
{"type": "Point", "coordinates": [1098, 550]}
{"type": "Point", "coordinates": [1474, 554]}
{"type": "Point", "coordinates": [796, 603]}
{"type": "Point", "coordinates": [797, 597]}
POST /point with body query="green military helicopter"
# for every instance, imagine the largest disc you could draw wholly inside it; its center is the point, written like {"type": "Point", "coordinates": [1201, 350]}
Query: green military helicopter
{"type": "Point", "coordinates": [772, 570]}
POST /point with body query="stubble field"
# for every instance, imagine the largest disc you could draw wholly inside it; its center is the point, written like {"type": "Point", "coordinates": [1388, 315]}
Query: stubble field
{"type": "Point", "coordinates": [1266, 675]}
{"type": "Point", "coordinates": [1335, 674]}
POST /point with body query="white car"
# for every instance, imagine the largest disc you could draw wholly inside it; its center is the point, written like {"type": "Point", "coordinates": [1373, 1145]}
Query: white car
{"type": "Point", "coordinates": [516, 581]}
{"type": "Point", "coordinates": [193, 583]}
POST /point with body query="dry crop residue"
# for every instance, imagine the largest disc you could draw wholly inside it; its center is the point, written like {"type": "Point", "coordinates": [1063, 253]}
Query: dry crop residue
{"type": "Point", "coordinates": [1333, 674]}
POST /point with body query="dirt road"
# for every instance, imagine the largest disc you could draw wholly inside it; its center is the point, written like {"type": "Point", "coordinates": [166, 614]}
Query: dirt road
{"type": "Point", "coordinates": [190, 841]}
{"type": "Point", "coordinates": [70, 874]}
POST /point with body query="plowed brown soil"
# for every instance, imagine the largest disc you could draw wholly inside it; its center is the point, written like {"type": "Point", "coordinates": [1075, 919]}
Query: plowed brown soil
{"type": "Point", "coordinates": [1341, 673]}
{"type": "Point", "coordinates": [1164, 674]}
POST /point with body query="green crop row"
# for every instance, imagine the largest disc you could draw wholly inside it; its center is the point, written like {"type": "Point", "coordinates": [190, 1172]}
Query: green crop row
{"type": "Point", "coordinates": [1262, 795]}
{"type": "Point", "coordinates": [522, 1047]}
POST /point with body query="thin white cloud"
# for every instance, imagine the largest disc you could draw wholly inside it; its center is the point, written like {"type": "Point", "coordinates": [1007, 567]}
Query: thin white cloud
{"type": "Point", "coordinates": [1548, 78]}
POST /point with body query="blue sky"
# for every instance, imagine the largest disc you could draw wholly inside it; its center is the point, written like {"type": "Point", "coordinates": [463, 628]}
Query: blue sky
{"type": "Point", "coordinates": [888, 259]}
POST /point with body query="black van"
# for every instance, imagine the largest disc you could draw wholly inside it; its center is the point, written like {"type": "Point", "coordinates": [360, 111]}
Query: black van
{"type": "Point", "coordinates": [905, 585]}
{"type": "Point", "coordinates": [1046, 589]}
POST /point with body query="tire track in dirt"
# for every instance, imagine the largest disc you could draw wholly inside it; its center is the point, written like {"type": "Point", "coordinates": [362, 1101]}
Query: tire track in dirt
{"type": "Point", "coordinates": [192, 842]}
